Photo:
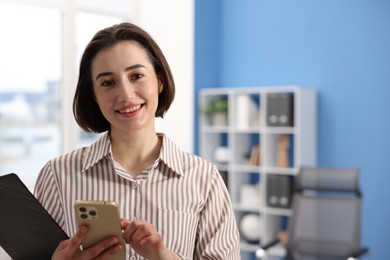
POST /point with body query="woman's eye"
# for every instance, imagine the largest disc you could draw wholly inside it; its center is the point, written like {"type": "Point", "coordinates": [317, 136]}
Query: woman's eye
{"type": "Point", "coordinates": [136, 76]}
{"type": "Point", "coordinates": [107, 83]}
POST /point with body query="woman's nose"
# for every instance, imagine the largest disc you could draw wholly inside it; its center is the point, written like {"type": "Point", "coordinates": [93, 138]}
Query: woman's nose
{"type": "Point", "coordinates": [126, 89]}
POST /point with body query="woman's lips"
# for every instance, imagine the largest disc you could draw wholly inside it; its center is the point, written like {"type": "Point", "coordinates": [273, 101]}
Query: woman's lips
{"type": "Point", "coordinates": [129, 109]}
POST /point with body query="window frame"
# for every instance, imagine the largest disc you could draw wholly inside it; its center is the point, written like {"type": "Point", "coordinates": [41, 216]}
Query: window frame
{"type": "Point", "coordinates": [69, 9]}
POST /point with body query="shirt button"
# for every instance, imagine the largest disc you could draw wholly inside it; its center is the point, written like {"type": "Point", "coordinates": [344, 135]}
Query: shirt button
{"type": "Point", "coordinates": [134, 185]}
{"type": "Point", "coordinates": [132, 257]}
{"type": "Point", "coordinates": [133, 218]}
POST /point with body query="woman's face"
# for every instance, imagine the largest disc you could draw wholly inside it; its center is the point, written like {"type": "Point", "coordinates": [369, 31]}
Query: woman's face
{"type": "Point", "coordinates": [126, 86]}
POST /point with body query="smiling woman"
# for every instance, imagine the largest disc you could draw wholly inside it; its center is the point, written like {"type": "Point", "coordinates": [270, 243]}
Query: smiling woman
{"type": "Point", "coordinates": [162, 192]}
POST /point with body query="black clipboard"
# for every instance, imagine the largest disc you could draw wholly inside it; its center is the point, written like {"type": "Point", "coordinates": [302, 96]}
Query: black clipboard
{"type": "Point", "coordinates": [27, 231]}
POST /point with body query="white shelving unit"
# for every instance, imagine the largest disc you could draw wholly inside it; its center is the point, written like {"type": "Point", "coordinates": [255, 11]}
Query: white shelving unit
{"type": "Point", "coordinates": [247, 126]}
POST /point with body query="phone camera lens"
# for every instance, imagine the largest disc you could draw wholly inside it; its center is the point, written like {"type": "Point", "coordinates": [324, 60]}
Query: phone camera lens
{"type": "Point", "coordinates": [92, 213]}
{"type": "Point", "coordinates": [84, 216]}
{"type": "Point", "coordinates": [82, 209]}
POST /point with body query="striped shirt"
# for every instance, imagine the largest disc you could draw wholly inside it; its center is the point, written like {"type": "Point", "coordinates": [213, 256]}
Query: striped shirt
{"type": "Point", "coordinates": [182, 194]}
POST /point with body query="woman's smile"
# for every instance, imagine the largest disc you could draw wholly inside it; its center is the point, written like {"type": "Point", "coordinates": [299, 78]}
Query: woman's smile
{"type": "Point", "coordinates": [128, 110]}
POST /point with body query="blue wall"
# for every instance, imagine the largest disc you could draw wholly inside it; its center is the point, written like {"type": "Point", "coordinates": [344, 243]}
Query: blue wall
{"type": "Point", "coordinates": [341, 48]}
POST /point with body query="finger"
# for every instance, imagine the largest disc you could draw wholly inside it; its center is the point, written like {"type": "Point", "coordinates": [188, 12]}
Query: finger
{"type": "Point", "coordinates": [124, 223]}
{"type": "Point", "coordinates": [78, 237]}
{"type": "Point", "coordinates": [151, 239]}
{"type": "Point", "coordinates": [142, 232]}
{"type": "Point", "coordinates": [63, 244]}
{"type": "Point", "coordinates": [101, 248]}
{"type": "Point", "coordinates": [124, 219]}
{"type": "Point", "coordinates": [131, 228]}
{"type": "Point", "coordinates": [106, 254]}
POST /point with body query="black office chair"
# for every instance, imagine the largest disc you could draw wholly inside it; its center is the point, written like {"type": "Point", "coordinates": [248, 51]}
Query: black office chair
{"type": "Point", "coordinates": [326, 219]}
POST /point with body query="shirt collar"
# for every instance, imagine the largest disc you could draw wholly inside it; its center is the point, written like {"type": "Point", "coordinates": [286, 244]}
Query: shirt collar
{"type": "Point", "coordinates": [170, 154]}
{"type": "Point", "coordinates": [97, 151]}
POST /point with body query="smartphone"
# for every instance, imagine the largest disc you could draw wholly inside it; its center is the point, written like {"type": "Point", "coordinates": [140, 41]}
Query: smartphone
{"type": "Point", "coordinates": [102, 218]}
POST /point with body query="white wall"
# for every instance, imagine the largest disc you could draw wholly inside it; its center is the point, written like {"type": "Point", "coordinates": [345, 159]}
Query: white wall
{"type": "Point", "coordinates": [171, 24]}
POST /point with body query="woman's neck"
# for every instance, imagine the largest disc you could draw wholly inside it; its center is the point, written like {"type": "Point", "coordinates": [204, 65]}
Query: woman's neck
{"type": "Point", "coordinates": [135, 151]}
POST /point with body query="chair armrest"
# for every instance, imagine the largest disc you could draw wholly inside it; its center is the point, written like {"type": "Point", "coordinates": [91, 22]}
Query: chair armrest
{"type": "Point", "coordinates": [271, 244]}
{"type": "Point", "coordinates": [361, 252]}
{"type": "Point", "coordinates": [261, 251]}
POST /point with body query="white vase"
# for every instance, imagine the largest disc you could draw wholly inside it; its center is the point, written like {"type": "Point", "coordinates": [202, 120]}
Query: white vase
{"type": "Point", "coordinates": [245, 112]}
{"type": "Point", "coordinates": [219, 119]}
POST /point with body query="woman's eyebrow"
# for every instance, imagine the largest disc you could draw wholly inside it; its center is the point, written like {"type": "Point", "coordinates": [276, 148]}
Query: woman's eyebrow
{"type": "Point", "coordinates": [103, 74]}
{"type": "Point", "coordinates": [135, 66]}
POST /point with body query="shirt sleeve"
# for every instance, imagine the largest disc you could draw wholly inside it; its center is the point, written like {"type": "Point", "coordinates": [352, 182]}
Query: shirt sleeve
{"type": "Point", "coordinates": [46, 191]}
{"type": "Point", "coordinates": [218, 236]}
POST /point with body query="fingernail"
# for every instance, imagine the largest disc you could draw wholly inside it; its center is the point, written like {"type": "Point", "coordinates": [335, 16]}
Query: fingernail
{"type": "Point", "coordinates": [83, 229]}
{"type": "Point", "coordinates": [113, 241]}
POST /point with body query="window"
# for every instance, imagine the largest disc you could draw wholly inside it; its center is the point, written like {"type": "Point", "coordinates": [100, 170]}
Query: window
{"type": "Point", "coordinates": [36, 119]}
{"type": "Point", "coordinates": [29, 89]}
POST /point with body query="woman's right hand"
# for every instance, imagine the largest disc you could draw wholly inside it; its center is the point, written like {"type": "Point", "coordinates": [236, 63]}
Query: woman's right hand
{"type": "Point", "coordinates": [70, 249]}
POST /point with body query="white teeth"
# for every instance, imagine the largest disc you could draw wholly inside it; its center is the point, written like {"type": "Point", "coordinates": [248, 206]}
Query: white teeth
{"type": "Point", "coordinates": [131, 109]}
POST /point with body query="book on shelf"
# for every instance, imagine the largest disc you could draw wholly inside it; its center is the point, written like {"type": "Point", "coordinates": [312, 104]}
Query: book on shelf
{"type": "Point", "coordinates": [255, 156]}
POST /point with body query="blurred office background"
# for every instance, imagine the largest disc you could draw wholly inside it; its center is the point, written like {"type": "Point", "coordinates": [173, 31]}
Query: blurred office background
{"type": "Point", "coordinates": [340, 48]}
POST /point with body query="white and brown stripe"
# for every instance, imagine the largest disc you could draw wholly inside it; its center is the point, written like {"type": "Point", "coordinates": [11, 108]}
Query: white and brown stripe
{"type": "Point", "coordinates": [182, 194]}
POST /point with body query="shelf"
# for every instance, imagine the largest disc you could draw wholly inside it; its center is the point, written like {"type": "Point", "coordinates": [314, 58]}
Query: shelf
{"type": "Point", "coordinates": [262, 209]}
{"type": "Point", "coordinates": [268, 133]}
{"type": "Point", "coordinates": [245, 168]}
{"type": "Point", "coordinates": [279, 130]}
{"type": "Point", "coordinates": [278, 170]}
{"type": "Point", "coordinates": [214, 129]}
{"type": "Point", "coordinates": [248, 130]}
{"type": "Point", "coordinates": [247, 208]}
{"type": "Point", "coordinates": [277, 211]}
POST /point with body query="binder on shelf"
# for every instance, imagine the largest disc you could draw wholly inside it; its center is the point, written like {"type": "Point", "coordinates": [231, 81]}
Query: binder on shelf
{"type": "Point", "coordinates": [280, 109]}
{"type": "Point", "coordinates": [279, 191]}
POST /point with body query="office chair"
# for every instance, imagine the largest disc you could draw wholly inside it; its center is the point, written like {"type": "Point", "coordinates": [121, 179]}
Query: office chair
{"type": "Point", "coordinates": [325, 223]}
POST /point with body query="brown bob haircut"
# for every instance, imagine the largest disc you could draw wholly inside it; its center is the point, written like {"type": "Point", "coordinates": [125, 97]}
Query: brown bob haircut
{"type": "Point", "coordinates": [85, 109]}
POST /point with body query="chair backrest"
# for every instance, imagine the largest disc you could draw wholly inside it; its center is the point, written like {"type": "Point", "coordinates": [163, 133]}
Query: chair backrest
{"type": "Point", "coordinates": [326, 214]}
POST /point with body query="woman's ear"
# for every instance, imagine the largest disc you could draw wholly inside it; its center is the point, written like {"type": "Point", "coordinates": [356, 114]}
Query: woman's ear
{"type": "Point", "coordinates": [160, 85]}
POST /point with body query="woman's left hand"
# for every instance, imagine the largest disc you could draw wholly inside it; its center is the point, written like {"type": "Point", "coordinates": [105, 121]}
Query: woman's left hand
{"type": "Point", "coordinates": [145, 240]}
